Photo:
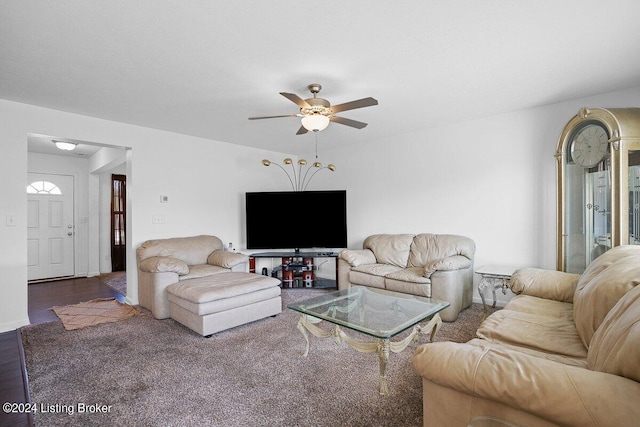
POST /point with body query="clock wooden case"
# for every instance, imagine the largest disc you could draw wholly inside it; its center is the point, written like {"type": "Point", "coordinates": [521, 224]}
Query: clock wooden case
{"type": "Point", "coordinates": [598, 179]}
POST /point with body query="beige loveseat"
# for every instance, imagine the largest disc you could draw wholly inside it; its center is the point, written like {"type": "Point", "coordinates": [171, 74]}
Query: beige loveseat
{"type": "Point", "coordinates": [565, 351]}
{"type": "Point", "coordinates": [432, 265]}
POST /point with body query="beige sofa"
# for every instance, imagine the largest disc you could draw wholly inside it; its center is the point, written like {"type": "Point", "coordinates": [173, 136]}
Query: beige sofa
{"type": "Point", "coordinates": [565, 351]}
{"type": "Point", "coordinates": [432, 265]}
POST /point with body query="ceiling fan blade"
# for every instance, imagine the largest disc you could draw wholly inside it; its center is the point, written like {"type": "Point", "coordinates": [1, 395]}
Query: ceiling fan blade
{"type": "Point", "coordinates": [348, 122]}
{"type": "Point", "coordinates": [302, 131]}
{"type": "Point", "coordinates": [273, 117]}
{"type": "Point", "coordinates": [360, 103]}
{"type": "Point", "coordinates": [295, 99]}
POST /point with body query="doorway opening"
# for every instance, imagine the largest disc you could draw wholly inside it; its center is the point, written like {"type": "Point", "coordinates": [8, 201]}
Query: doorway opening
{"type": "Point", "coordinates": [95, 205]}
{"type": "Point", "coordinates": [118, 222]}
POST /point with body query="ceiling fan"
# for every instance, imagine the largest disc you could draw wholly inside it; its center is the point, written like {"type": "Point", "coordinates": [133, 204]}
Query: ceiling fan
{"type": "Point", "coordinates": [316, 113]}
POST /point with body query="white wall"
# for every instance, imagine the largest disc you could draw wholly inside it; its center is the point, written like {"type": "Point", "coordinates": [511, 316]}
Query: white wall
{"type": "Point", "coordinates": [493, 180]}
{"type": "Point", "coordinates": [204, 179]}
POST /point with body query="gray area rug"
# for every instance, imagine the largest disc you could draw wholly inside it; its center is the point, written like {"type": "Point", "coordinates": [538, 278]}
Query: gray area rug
{"type": "Point", "coordinates": [147, 372]}
{"type": "Point", "coordinates": [116, 281]}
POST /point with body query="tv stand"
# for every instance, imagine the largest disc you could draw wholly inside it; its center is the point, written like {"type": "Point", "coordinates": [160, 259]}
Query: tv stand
{"type": "Point", "coordinates": [297, 268]}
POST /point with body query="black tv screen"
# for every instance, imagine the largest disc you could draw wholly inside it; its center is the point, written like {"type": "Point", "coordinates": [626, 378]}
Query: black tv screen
{"type": "Point", "coordinates": [296, 219]}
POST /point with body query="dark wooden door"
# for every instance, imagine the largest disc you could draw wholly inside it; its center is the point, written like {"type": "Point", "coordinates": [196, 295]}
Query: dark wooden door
{"type": "Point", "coordinates": [118, 222]}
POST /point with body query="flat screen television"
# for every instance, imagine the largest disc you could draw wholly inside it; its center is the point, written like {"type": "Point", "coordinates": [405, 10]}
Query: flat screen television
{"type": "Point", "coordinates": [296, 219]}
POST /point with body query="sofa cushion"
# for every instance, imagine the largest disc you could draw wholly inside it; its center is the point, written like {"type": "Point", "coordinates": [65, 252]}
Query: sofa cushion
{"type": "Point", "coordinates": [428, 247]}
{"type": "Point", "coordinates": [545, 307]}
{"type": "Point", "coordinates": [159, 264]}
{"type": "Point", "coordinates": [615, 346]}
{"type": "Point", "coordinates": [390, 248]}
{"type": "Point", "coordinates": [220, 286]}
{"type": "Point", "coordinates": [371, 274]}
{"type": "Point", "coordinates": [412, 275]}
{"type": "Point", "coordinates": [203, 270]}
{"type": "Point", "coordinates": [413, 288]}
{"type": "Point", "coordinates": [192, 250]}
{"type": "Point", "coordinates": [364, 279]}
{"type": "Point", "coordinates": [603, 283]}
{"type": "Point", "coordinates": [550, 336]}
{"type": "Point", "coordinates": [377, 269]}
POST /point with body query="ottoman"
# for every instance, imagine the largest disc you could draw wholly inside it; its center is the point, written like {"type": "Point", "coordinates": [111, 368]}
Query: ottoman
{"type": "Point", "coordinates": [221, 301]}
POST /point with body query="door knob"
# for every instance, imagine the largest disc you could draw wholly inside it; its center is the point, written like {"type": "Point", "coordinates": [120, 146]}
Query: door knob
{"type": "Point", "coordinates": [69, 234]}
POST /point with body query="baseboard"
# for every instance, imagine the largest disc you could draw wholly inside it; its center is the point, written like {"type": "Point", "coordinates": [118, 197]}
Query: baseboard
{"type": "Point", "coordinates": [499, 303]}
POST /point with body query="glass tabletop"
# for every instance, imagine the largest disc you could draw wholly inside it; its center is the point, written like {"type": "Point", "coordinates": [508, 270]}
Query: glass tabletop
{"type": "Point", "coordinates": [376, 312]}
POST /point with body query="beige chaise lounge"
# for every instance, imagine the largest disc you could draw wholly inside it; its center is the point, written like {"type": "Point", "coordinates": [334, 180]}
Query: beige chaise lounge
{"type": "Point", "coordinates": [565, 351]}
{"type": "Point", "coordinates": [195, 282]}
{"type": "Point", "coordinates": [432, 265]}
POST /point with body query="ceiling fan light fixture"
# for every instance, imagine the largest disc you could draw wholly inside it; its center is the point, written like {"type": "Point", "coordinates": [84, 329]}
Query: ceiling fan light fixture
{"type": "Point", "coordinates": [63, 145]}
{"type": "Point", "coordinates": [315, 122]}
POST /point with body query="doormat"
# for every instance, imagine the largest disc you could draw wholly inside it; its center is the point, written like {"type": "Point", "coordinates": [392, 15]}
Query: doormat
{"type": "Point", "coordinates": [94, 312]}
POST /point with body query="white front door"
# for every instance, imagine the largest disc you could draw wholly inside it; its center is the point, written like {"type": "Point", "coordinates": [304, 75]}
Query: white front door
{"type": "Point", "coordinates": [50, 227]}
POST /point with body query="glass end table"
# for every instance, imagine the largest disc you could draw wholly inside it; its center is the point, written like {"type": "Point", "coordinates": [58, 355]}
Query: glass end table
{"type": "Point", "coordinates": [378, 313]}
{"type": "Point", "coordinates": [493, 277]}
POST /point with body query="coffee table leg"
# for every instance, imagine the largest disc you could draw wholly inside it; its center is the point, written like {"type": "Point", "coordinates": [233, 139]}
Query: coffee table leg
{"type": "Point", "coordinates": [305, 325]}
{"type": "Point", "coordinates": [383, 353]}
{"type": "Point", "coordinates": [302, 329]}
{"type": "Point", "coordinates": [381, 346]}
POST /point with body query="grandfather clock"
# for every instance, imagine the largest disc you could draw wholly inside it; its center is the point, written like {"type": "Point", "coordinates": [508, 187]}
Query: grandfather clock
{"type": "Point", "coordinates": [598, 178]}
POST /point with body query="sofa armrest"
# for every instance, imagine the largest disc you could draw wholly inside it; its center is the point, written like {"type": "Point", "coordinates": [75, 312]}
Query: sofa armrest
{"type": "Point", "coordinates": [455, 262]}
{"type": "Point", "coordinates": [227, 259]}
{"type": "Point", "coordinates": [356, 257]}
{"type": "Point", "coordinates": [548, 284]}
{"type": "Point", "coordinates": [152, 292]}
{"type": "Point", "coordinates": [563, 394]}
{"type": "Point", "coordinates": [158, 264]}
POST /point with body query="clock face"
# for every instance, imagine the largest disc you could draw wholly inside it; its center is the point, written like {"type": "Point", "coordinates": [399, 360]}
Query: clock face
{"type": "Point", "coordinates": [589, 145]}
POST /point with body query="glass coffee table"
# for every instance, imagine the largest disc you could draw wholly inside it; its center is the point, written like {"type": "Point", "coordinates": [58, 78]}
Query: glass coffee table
{"type": "Point", "coordinates": [375, 312]}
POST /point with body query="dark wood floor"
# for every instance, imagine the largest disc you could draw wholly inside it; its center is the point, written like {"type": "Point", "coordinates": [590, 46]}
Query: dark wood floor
{"type": "Point", "coordinates": [42, 296]}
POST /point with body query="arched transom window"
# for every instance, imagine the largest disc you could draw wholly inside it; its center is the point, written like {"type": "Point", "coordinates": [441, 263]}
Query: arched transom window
{"type": "Point", "coordinates": [43, 187]}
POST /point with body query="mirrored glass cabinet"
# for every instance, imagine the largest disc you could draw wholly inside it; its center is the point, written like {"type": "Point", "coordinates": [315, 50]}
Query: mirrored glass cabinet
{"type": "Point", "coordinates": [598, 178]}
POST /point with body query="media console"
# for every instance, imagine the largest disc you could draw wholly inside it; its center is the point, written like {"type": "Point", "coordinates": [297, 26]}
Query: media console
{"type": "Point", "coordinates": [297, 269]}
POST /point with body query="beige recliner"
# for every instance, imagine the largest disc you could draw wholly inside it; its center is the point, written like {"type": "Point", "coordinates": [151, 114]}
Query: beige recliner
{"type": "Point", "coordinates": [163, 262]}
{"type": "Point", "coordinates": [439, 266]}
{"type": "Point", "coordinates": [195, 282]}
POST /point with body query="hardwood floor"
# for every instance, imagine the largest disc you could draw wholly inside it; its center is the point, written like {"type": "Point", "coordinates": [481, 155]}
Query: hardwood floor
{"type": "Point", "coordinates": [42, 296]}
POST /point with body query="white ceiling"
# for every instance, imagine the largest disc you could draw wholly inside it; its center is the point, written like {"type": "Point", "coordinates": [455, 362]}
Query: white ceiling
{"type": "Point", "coordinates": [203, 67]}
